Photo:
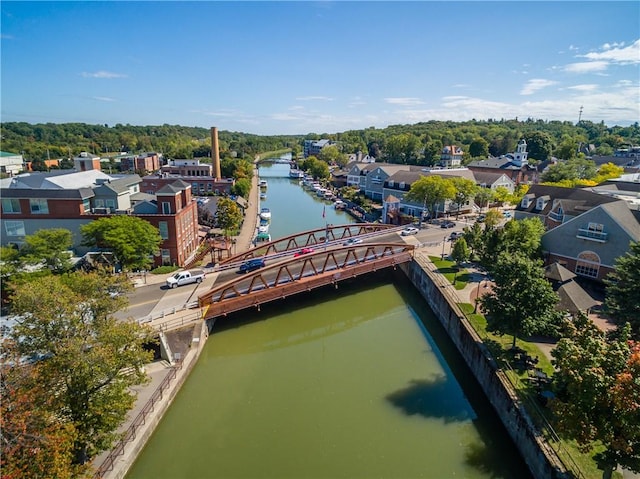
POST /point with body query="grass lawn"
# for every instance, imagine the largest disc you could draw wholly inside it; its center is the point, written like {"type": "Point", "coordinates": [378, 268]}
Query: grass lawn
{"type": "Point", "coordinates": [499, 346]}
{"type": "Point", "coordinates": [450, 270]}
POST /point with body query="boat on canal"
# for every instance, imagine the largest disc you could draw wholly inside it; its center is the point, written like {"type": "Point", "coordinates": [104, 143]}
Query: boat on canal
{"type": "Point", "coordinates": [265, 213]}
{"type": "Point", "coordinates": [263, 184]}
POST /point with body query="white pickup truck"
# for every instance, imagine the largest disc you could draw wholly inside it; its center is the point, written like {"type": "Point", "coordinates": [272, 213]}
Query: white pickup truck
{"type": "Point", "coordinates": [185, 277]}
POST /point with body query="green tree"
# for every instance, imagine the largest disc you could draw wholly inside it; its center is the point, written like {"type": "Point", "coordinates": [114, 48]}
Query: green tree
{"type": "Point", "coordinates": [473, 238]}
{"type": "Point", "coordinates": [465, 189]}
{"type": "Point", "coordinates": [132, 240]}
{"type": "Point", "coordinates": [483, 197]}
{"type": "Point", "coordinates": [479, 148]}
{"type": "Point", "coordinates": [49, 247]}
{"type": "Point", "coordinates": [330, 154]}
{"type": "Point", "coordinates": [539, 145]}
{"type": "Point", "coordinates": [229, 215]}
{"type": "Point", "coordinates": [597, 381]}
{"type": "Point", "coordinates": [242, 187]}
{"type": "Point", "coordinates": [432, 150]}
{"type": "Point", "coordinates": [91, 359]}
{"type": "Point", "coordinates": [522, 301]}
{"type": "Point", "coordinates": [460, 252]}
{"type": "Point", "coordinates": [430, 191]}
{"type": "Point", "coordinates": [623, 290]}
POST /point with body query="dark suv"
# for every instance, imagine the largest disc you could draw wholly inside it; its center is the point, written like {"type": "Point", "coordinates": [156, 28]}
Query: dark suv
{"type": "Point", "coordinates": [251, 265]}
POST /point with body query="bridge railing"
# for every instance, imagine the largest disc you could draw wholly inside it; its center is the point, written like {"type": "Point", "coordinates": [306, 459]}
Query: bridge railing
{"type": "Point", "coordinates": [167, 312]}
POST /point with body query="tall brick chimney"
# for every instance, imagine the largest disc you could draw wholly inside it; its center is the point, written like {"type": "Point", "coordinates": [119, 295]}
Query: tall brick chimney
{"type": "Point", "coordinates": [215, 153]}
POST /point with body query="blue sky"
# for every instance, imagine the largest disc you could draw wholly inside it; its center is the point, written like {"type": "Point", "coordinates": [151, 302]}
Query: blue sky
{"type": "Point", "coordinates": [318, 67]}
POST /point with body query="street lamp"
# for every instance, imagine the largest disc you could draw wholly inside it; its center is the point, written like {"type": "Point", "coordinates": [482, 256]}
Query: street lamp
{"type": "Point", "coordinates": [444, 242]}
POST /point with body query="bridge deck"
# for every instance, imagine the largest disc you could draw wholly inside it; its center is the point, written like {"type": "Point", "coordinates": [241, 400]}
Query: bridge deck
{"type": "Point", "coordinates": [302, 274]}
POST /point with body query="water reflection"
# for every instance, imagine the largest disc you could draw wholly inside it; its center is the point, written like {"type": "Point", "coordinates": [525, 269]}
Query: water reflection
{"type": "Point", "coordinates": [431, 398]}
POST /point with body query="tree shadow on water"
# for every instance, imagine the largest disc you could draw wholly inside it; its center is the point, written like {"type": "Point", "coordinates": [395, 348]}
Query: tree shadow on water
{"type": "Point", "coordinates": [432, 399]}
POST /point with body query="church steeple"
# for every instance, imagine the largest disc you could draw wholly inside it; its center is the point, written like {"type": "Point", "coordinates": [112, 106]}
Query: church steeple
{"type": "Point", "coordinates": [520, 156]}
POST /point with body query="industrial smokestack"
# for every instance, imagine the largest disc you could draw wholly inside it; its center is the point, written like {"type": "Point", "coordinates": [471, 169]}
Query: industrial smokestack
{"type": "Point", "coordinates": [215, 153]}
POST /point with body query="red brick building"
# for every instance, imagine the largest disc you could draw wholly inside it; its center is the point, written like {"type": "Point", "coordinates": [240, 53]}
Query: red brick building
{"type": "Point", "coordinates": [69, 200]}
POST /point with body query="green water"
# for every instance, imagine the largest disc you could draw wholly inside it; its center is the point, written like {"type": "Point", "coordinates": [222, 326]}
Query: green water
{"type": "Point", "coordinates": [358, 382]}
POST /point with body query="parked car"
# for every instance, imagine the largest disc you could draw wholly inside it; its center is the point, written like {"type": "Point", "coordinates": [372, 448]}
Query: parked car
{"type": "Point", "coordinates": [507, 214]}
{"type": "Point", "coordinates": [303, 251]}
{"type": "Point", "coordinates": [448, 224]}
{"type": "Point", "coordinates": [455, 235]}
{"type": "Point", "coordinates": [411, 230]}
{"type": "Point", "coordinates": [251, 265]}
{"type": "Point", "coordinates": [352, 241]}
{"type": "Point", "coordinates": [481, 218]}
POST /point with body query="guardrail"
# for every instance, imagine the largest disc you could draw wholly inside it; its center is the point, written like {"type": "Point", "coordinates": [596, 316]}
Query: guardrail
{"type": "Point", "coordinates": [130, 434]}
{"type": "Point", "coordinates": [166, 312]}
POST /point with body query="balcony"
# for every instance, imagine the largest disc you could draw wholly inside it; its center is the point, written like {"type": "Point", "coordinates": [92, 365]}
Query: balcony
{"type": "Point", "coordinates": [556, 216]}
{"type": "Point", "coordinates": [587, 234]}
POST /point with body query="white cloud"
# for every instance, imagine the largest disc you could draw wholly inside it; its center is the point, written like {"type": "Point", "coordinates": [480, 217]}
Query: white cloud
{"type": "Point", "coordinates": [103, 74]}
{"type": "Point", "coordinates": [585, 87]}
{"type": "Point", "coordinates": [404, 101]}
{"type": "Point", "coordinates": [536, 84]}
{"type": "Point", "coordinates": [103, 98]}
{"type": "Point", "coordinates": [314, 98]}
{"type": "Point", "coordinates": [586, 67]}
{"type": "Point", "coordinates": [617, 53]}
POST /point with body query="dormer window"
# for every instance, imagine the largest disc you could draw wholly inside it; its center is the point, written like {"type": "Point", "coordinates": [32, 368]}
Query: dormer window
{"type": "Point", "coordinates": [401, 185]}
{"type": "Point", "coordinates": [390, 183]}
{"type": "Point", "coordinates": [525, 202]}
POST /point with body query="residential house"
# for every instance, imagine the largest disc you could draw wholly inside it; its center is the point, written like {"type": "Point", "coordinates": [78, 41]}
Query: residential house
{"type": "Point", "coordinates": [554, 205]}
{"type": "Point", "coordinates": [451, 156]}
{"type": "Point", "coordinates": [11, 163]}
{"type": "Point", "coordinates": [374, 175]}
{"type": "Point", "coordinates": [493, 180]}
{"type": "Point", "coordinates": [515, 165]}
{"type": "Point", "coordinates": [313, 147]}
{"type": "Point", "coordinates": [69, 200]}
{"type": "Point", "coordinates": [589, 243]}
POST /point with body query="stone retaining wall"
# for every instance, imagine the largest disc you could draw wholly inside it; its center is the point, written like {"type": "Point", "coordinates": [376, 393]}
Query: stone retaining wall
{"type": "Point", "coordinates": [538, 455]}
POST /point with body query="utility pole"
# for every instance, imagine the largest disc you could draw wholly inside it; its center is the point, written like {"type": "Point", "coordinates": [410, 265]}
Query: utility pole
{"type": "Point", "coordinates": [580, 115]}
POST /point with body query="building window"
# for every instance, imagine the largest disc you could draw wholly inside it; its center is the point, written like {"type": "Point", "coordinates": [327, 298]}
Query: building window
{"type": "Point", "coordinates": [588, 264]}
{"type": "Point", "coordinates": [390, 183]}
{"type": "Point", "coordinates": [39, 206]}
{"type": "Point", "coordinates": [166, 208]}
{"type": "Point", "coordinates": [86, 206]}
{"type": "Point", "coordinates": [164, 229]}
{"type": "Point", "coordinates": [401, 185]}
{"type": "Point", "coordinates": [111, 204]}
{"type": "Point", "coordinates": [14, 228]}
{"type": "Point", "coordinates": [166, 257]}
{"type": "Point", "coordinates": [10, 205]}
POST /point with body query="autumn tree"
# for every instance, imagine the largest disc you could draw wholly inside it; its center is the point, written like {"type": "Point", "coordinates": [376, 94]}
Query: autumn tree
{"type": "Point", "coordinates": [132, 240]}
{"type": "Point", "coordinates": [35, 443]}
{"type": "Point", "coordinates": [623, 291]}
{"type": "Point", "coordinates": [89, 361]}
{"type": "Point", "coordinates": [522, 301]}
{"type": "Point", "coordinates": [483, 197]}
{"type": "Point", "coordinates": [597, 383]}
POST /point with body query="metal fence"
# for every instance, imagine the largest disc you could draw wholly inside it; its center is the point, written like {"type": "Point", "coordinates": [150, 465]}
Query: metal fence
{"type": "Point", "coordinates": [130, 434]}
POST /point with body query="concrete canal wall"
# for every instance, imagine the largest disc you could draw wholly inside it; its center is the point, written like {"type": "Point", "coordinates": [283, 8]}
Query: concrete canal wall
{"type": "Point", "coordinates": [434, 288]}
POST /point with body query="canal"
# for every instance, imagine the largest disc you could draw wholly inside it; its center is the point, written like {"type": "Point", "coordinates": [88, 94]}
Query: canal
{"type": "Point", "coordinates": [355, 382]}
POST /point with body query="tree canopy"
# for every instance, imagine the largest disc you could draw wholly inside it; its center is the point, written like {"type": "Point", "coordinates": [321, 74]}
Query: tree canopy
{"type": "Point", "coordinates": [229, 215]}
{"type": "Point", "coordinates": [132, 240]}
{"type": "Point", "coordinates": [597, 381]}
{"type": "Point", "coordinates": [623, 291]}
{"type": "Point", "coordinates": [88, 360]}
{"type": "Point", "coordinates": [431, 190]}
{"type": "Point", "coordinates": [522, 301]}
